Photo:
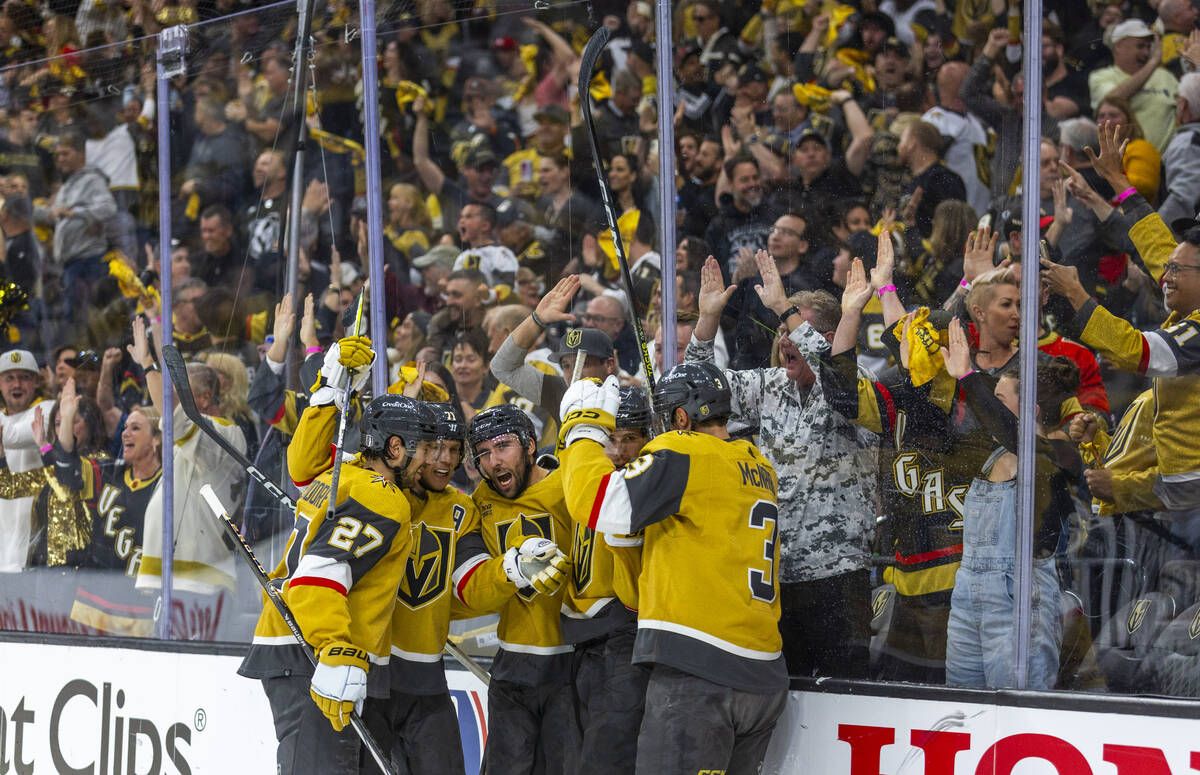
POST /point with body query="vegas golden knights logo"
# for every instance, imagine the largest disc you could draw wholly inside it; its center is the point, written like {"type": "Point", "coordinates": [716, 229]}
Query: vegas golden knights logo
{"type": "Point", "coordinates": [879, 601]}
{"type": "Point", "coordinates": [428, 566]}
{"type": "Point", "coordinates": [574, 336]}
{"type": "Point", "coordinates": [581, 556]}
{"type": "Point", "coordinates": [1140, 608]}
{"type": "Point", "coordinates": [527, 526]}
{"type": "Point", "coordinates": [1194, 627]}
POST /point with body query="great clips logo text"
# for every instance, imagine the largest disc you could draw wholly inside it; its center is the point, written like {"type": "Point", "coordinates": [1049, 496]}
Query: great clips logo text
{"type": "Point", "coordinates": [126, 744]}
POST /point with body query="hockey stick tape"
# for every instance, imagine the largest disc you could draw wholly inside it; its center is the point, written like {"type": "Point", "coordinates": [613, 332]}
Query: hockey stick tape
{"type": "Point", "coordinates": [214, 503]}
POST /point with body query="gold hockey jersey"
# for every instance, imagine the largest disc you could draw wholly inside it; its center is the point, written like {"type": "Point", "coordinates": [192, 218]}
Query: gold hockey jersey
{"type": "Point", "coordinates": [532, 650]}
{"type": "Point", "coordinates": [444, 539]}
{"type": "Point", "coordinates": [1129, 454]}
{"type": "Point", "coordinates": [339, 574]}
{"type": "Point", "coordinates": [709, 594]}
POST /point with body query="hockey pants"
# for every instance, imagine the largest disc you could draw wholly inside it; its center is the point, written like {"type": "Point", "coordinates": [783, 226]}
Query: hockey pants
{"type": "Point", "coordinates": [532, 730]}
{"type": "Point", "coordinates": [418, 731]}
{"type": "Point", "coordinates": [611, 693]}
{"type": "Point", "coordinates": [307, 743]}
{"type": "Point", "coordinates": [692, 725]}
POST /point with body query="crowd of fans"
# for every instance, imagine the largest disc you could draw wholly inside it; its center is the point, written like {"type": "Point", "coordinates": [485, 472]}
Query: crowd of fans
{"type": "Point", "coordinates": [817, 143]}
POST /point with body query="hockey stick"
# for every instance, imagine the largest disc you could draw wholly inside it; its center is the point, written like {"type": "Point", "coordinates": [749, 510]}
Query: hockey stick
{"type": "Point", "coordinates": [343, 418]}
{"type": "Point", "coordinates": [260, 575]}
{"type": "Point", "coordinates": [591, 52]}
{"type": "Point", "coordinates": [177, 369]}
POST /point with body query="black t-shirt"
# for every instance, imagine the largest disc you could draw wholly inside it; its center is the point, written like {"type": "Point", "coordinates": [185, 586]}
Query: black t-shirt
{"type": "Point", "coordinates": [834, 183]}
{"type": "Point", "coordinates": [700, 202]}
{"type": "Point", "coordinates": [937, 184]}
{"type": "Point", "coordinates": [1075, 88]}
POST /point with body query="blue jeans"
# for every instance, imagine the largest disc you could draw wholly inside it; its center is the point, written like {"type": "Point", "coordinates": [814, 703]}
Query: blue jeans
{"type": "Point", "coordinates": [979, 634]}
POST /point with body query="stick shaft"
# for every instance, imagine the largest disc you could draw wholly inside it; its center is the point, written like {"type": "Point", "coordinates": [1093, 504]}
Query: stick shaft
{"type": "Point", "coordinates": [590, 53]}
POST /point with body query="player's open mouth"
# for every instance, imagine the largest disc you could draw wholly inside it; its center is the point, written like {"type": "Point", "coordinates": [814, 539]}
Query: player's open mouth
{"type": "Point", "coordinates": [441, 471]}
{"type": "Point", "coordinates": [504, 479]}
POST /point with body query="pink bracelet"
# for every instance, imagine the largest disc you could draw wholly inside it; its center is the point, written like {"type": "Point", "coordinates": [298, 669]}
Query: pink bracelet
{"type": "Point", "coordinates": [47, 448]}
{"type": "Point", "coordinates": [886, 289]}
{"type": "Point", "coordinates": [1121, 197]}
{"type": "Point", "coordinates": [964, 284]}
{"type": "Point", "coordinates": [969, 373]}
{"type": "Point", "coordinates": [311, 350]}
{"type": "Point", "coordinates": [158, 320]}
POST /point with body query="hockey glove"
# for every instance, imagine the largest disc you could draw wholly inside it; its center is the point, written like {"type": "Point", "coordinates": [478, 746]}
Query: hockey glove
{"type": "Point", "coordinates": [339, 682]}
{"type": "Point", "coordinates": [336, 379]}
{"type": "Point", "coordinates": [589, 410]}
{"type": "Point", "coordinates": [522, 564]}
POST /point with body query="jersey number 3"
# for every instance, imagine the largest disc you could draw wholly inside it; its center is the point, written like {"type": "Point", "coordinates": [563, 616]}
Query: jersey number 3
{"type": "Point", "coordinates": [762, 585]}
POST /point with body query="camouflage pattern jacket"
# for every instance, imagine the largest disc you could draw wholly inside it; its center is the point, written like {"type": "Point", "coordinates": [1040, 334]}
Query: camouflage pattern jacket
{"type": "Point", "coordinates": [825, 463]}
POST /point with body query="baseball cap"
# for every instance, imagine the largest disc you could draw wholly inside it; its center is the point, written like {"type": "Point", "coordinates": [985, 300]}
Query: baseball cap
{"type": "Point", "coordinates": [752, 74]}
{"type": "Point", "coordinates": [475, 87]}
{"type": "Point", "coordinates": [1130, 28]}
{"type": "Point", "coordinates": [812, 134]}
{"type": "Point", "coordinates": [877, 19]}
{"type": "Point", "coordinates": [895, 45]}
{"type": "Point", "coordinates": [592, 341]}
{"type": "Point", "coordinates": [512, 210]}
{"type": "Point", "coordinates": [19, 360]}
{"type": "Point", "coordinates": [690, 50]}
{"type": "Point", "coordinates": [442, 255]}
{"type": "Point", "coordinates": [504, 44]}
{"type": "Point", "coordinates": [553, 113]}
{"type": "Point", "coordinates": [478, 157]}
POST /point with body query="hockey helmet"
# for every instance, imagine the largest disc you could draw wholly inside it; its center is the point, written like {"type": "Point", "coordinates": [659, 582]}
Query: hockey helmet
{"type": "Point", "coordinates": [392, 415]}
{"type": "Point", "coordinates": [634, 411]}
{"type": "Point", "coordinates": [497, 421]}
{"type": "Point", "coordinates": [700, 389]}
{"type": "Point", "coordinates": [450, 422]}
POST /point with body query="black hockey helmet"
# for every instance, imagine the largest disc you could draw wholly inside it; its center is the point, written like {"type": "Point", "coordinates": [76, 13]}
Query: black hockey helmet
{"type": "Point", "coordinates": [497, 421]}
{"type": "Point", "coordinates": [700, 389]}
{"type": "Point", "coordinates": [634, 411]}
{"type": "Point", "coordinates": [393, 415]}
{"type": "Point", "coordinates": [450, 423]}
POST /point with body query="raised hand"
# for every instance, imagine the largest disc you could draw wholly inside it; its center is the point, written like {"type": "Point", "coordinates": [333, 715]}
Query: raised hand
{"type": "Point", "coordinates": [285, 319]}
{"type": "Point", "coordinates": [140, 349]}
{"type": "Point", "coordinates": [308, 324]}
{"type": "Point", "coordinates": [554, 305]}
{"type": "Point", "coordinates": [958, 355]}
{"type": "Point", "coordinates": [771, 292]}
{"type": "Point", "coordinates": [1110, 161]}
{"type": "Point", "coordinates": [39, 427]}
{"type": "Point", "coordinates": [1062, 213]}
{"type": "Point", "coordinates": [979, 253]}
{"type": "Point", "coordinates": [885, 261]}
{"type": "Point", "coordinates": [413, 389]}
{"type": "Point", "coordinates": [714, 295]}
{"type": "Point", "coordinates": [858, 291]}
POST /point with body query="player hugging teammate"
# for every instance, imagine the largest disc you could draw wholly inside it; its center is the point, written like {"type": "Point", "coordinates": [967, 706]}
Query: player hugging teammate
{"type": "Point", "coordinates": [588, 632]}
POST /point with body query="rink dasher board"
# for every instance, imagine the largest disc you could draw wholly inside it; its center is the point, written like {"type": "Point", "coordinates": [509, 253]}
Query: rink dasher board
{"type": "Point", "coordinates": [146, 707]}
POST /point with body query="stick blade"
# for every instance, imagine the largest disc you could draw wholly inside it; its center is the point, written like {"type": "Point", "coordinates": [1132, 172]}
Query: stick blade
{"type": "Point", "coordinates": [177, 370]}
{"type": "Point", "coordinates": [591, 52]}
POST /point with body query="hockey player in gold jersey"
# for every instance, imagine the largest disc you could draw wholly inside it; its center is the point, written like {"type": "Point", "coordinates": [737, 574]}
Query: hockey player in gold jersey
{"type": "Point", "coordinates": [708, 615]}
{"type": "Point", "coordinates": [340, 573]}
{"type": "Point", "coordinates": [521, 505]}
